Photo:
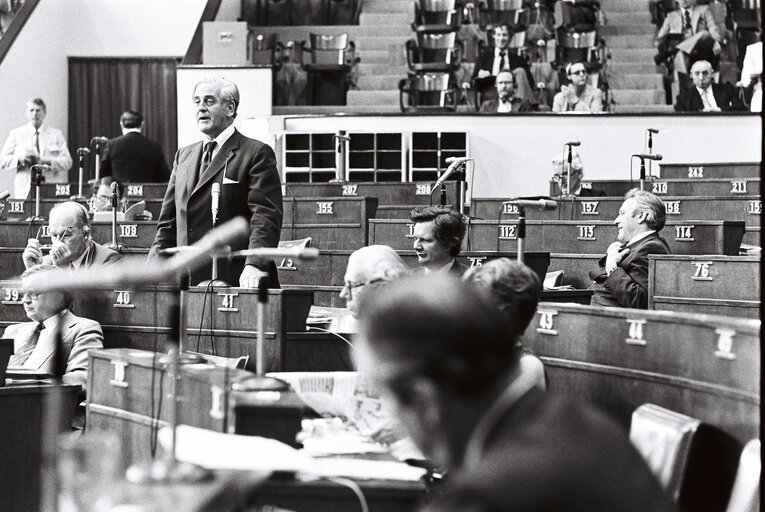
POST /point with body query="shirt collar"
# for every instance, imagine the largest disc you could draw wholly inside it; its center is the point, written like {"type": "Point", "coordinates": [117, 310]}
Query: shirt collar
{"type": "Point", "coordinates": [32, 128]}
{"type": "Point", "coordinates": [702, 91]}
{"type": "Point", "coordinates": [442, 270]}
{"type": "Point", "coordinates": [52, 322]}
{"type": "Point", "coordinates": [641, 236]}
{"type": "Point", "coordinates": [222, 136]}
{"type": "Point", "coordinates": [125, 131]}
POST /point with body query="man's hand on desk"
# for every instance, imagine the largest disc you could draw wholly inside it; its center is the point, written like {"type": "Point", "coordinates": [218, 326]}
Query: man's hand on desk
{"type": "Point", "coordinates": [250, 276]}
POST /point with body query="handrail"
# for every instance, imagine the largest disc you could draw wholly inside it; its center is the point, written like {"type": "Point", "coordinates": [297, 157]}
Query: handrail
{"type": "Point", "coordinates": [6, 41]}
{"type": "Point", "coordinates": [194, 53]}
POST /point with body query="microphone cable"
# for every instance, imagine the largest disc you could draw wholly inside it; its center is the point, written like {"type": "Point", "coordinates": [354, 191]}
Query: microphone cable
{"type": "Point", "coordinates": [314, 328]}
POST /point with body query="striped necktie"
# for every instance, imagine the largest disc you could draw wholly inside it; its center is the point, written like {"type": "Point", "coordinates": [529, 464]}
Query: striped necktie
{"type": "Point", "coordinates": [20, 357]}
{"type": "Point", "coordinates": [206, 158]}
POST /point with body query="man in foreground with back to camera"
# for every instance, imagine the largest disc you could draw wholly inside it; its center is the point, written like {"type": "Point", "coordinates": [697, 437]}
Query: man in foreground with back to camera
{"type": "Point", "coordinates": [34, 342]}
{"type": "Point", "coordinates": [244, 169]}
{"type": "Point", "coordinates": [438, 234]}
{"type": "Point", "coordinates": [132, 157]}
{"type": "Point", "coordinates": [446, 358]}
{"type": "Point", "coordinates": [72, 245]}
{"type": "Point", "coordinates": [622, 280]}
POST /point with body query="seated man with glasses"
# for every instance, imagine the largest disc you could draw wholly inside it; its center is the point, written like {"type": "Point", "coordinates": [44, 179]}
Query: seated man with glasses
{"type": "Point", "coordinates": [36, 342]}
{"type": "Point", "coordinates": [560, 176]}
{"type": "Point", "coordinates": [579, 95]}
{"type": "Point", "coordinates": [72, 246]}
{"type": "Point", "coordinates": [366, 266]}
{"type": "Point", "coordinates": [102, 195]}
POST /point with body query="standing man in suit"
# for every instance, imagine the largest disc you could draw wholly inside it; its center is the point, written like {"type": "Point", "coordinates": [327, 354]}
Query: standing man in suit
{"type": "Point", "coordinates": [500, 57]}
{"type": "Point", "coordinates": [505, 102]}
{"type": "Point", "coordinates": [132, 158]}
{"type": "Point", "coordinates": [448, 361]}
{"type": "Point", "coordinates": [34, 342]}
{"type": "Point", "coordinates": [249, 183]}
{"type": "Point", "coordinates": [32, 144]}
{"type": "Point", "coordinates": [622, 279]}
{"type": "Point", "coordinates": [438, 234]}
{"type": "Point", "coordinates": [705, 96]}
{"type": "Point", "coordinates": [72, 246]}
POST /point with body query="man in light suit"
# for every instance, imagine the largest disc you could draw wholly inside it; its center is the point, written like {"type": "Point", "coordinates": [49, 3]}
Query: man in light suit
{"type": "Point", "coordinates": [72, 246]}
{"type": "Point", "coordinates": [35, 143]}
{"type": "Point", "coordinates": [438, 234]}
{"type": "Point", "coordinates": [250, 186]}
{"type": "Point", "coordinates": [700, 33]}
{"type": "Point", "coordinates": [447, 360]}
{"type": "Point", "coordinates": [34, 342]}
{"type": "Point", "coordinates": [622, 279]}
{"type": "Point", "coordinates": [132, 158]}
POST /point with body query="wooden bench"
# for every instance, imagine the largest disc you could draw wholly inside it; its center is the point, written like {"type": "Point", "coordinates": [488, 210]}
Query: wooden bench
{"type": "Point", "coordinates": [704, 366]}
{"type": "Point", "coordinates": [676, 187]}
{"type": "Point", "coordinates": [679, 208]}
{"type": "Point", "coordinates": [133, 191]}
{"type": "Point", "coordinates": [706, 170]}
{"type": "Point", "coordinates": [720, 285]}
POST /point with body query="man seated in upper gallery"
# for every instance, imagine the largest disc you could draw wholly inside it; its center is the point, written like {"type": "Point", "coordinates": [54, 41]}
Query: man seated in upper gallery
{"type": "Point", "coordinates": [250, 187]}
{"type": "Point", "coordinates": [366, 266]}
{"type": "Point", "coordinates": [438, 234]}
{"type": "Point", "coordinates": [505, 102]}
{"type": "Point", "coordinates": [622, 279]}
{"type": "Point", "coordinates": [696, 26]}
{"type": "Point", "coordinates": [72, 245]}
{"type": "Point", "coordinates": [32, 144]}
{"type": "Point", "coordinates": [34, 342]}
{"type": "Point", "coordinates": [560, 177]}
{"type": "Point", "coordinates": [132, 157]}
{"type": "Point", "coordinates": [447, 359]}
{"type": "Point", "coordinates": [706, 96]}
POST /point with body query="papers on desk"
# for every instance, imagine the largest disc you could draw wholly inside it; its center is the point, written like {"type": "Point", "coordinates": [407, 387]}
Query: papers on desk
{"type": "Point", "coordinates": [214, 450]}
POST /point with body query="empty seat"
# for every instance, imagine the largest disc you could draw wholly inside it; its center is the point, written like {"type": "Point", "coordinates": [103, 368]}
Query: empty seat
{"type": "Point", "coordinates": [266, 50]}
{"type": "Point", "coordinates": [434, 52]}
{"type": "Point", "coordinates": [663, 438]}
{"type": "Point", "coordinates": [745, 496]}
{"type": "Point", "coordinates": [328, 52]}
{"type": "Point", "coordinates": [428, 92]}
{"type": "Point", "coordinates": [497, 12]}
{"type": "Point", "coordinates": [583, 46]}
{"type": "Point", "coordinates": [436, 16]}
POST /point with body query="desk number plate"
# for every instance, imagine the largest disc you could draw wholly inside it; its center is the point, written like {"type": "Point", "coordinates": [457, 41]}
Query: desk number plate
{"type": "Point", "coordinates": [12, 297]}
{"type": "Point", "coordinates": [684, 233]}
{"type": "Point", "coordinates": [135, 190]}
{"type": "Point", "coordinates": [725, 344]}
{"type": "Point", "coordinates": [129, 230]}
{"type": "Point", "coordinates": [118, 380]}
{"type": "Point", "coordinates": [423, 189]}
{"type": "Point", "coordinates": [701, 271]}
{"type": "Point", "coordinates": [586, 233]}
{"type": "Point", "coordinates": [547, 322]}
{"type": "Point", "coordinates": [636, 336]}
{"type": "Point", "coordinates": [122, 300]}
{"type": "Point", "coordinates": [63, 190]}
{"type": "Point", "coordinates": [228, 302]}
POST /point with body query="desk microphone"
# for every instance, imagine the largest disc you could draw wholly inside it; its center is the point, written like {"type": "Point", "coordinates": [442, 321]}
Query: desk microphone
{"type": "Point", "coordinates": [215, 201]}
{"type": "Point", "coordinates": [648, 156]}
{"type": "Point", "coordinates": [573, 143]}
{"type": "Point", "coordinates": [652, 130]}
{"type": "Point", "coordinates": [454, 163]}
{"type": "Point", "coordinates": [537, 204]}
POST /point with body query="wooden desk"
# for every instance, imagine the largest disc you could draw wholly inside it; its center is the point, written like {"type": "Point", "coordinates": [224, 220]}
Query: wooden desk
{"type": "Point", "coordinates": [576, 267]}
{"type": "Point", "coordinates": [413, 194]}
{"type": "Point", "coordinates": [21, 439]}
{"type": "Point", "coordinates": [719, 285]}
{"type": "Point", "coordinates": [709, 186]}
{"type": "Point", "coordinates": [133, 191]}
{"type": "Point", "coordinates": [21, 209]}
{"type": "Point", "coordinates": [320, 211]}
{"type": "Point", "coordinates": [707, 170]}
{"type": "Point", "coordinates": [131, 234]}
{"type": "Point", "coordinates": [704, 366]}
{"type": "Point", "coordinates": [679, 208]}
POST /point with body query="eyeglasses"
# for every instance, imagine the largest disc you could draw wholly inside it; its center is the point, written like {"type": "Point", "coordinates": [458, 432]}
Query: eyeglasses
{"type": "Point", "coordinates": [579, 72]}
{"type": "Point", "coordinates": [61, 235]}
{"type": "Point", "coordinates": [29, 293]}
{"type": "Point", "coordinates": [350, 286]}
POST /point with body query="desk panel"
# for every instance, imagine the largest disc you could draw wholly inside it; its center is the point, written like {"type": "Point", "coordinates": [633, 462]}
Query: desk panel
{"type": "Point", "coordinates": [19, 209]}
{"type": "Point", "coordinates": [328, 210]}
{"type": "Point", "coordinates": [710, 186]}
{"type": "Point", "coordinates": [415, 193]}
{"type": "Point", "coordinates": [133, 191]}
{"type": "Point", "coordinates": [130, 234]}
{"type": "Point", "coordinates": [707, 170]}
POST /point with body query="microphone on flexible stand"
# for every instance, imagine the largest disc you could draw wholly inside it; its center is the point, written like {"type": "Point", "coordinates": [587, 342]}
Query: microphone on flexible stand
{"type": "Point", "coordinates": [37, 179]}
{"type": "Point", "coordinates": [455, 163]}
{"type": "Point", "coordinates": [81, 154]}
{"type": "Point", "coordinates": [522, 204]}
{"type": "Point", "coordinates": [649, 145]}
{"type": "Point", "coordinates": [570, 162]}
{"type": "Point", "coordinates": [99, 141]}
{"type": "Point", "coordinates": [643, 157]}
{"type": "Point", "coordinates": [114, 245]}
{"type": "Point", "coordinates": [214, 205]}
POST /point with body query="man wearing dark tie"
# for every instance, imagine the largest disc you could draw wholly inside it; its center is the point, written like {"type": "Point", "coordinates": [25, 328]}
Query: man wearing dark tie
{"type": "Point", "coordinates": [32, 144]}
{"type": "Point", "coordinates": [245, 170]}
{"type": "Point", "coordinates": [133, 158]}
{"type": "Point", "coordinates": [500, 57]}
{"type": "Point", "coordinates": [35, 343]}
{"type": "Point", "coordinates": [622, 279]}
{"type": "Point", "coordinates": [505, 102]}
{"type": "Point", "coordinates": [705, 96]}
{"type": "Point", "coordinates": [701, 38]}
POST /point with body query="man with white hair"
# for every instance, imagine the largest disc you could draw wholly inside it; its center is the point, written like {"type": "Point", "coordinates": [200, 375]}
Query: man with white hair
{"type": "Point", "coordinates": [560, 176]}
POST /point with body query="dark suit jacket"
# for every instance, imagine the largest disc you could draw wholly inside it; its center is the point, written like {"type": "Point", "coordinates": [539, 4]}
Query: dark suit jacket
{"type": "Point", "coordinates": [627, 286]}
{"type": "Point", "coordinates": [689, 100]}
{"type": "Point", "coordinates": [486, 61]}
{"type": "Point", "coordinates": [95, 254]}
{"type": "Point", "coordinates": [132, 158]}
{"type": "Point", "coordinates": [250, 187]}
{"type": "Point", "coordinates": [518, 105]}
{"type": "Point", "coordinates": [547, 453]}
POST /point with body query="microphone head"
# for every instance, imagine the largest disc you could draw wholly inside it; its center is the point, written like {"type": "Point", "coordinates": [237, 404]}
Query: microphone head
{"type": "Point", "coordinates": [114, 187]}
{"type": "Point", "coordinates": [83, 151]}
{"type": "Point", "coordinates": [40, 167]}
{"type": "Point", "coordinates": [453, 159]}
{"type": "Point", "coordinates": [99, 140]}
{"type": "Point", "coordinates": [653, 130]}
{"type": "Point", "coordinates": [573, 143]}
{"type": "Point", "coordinates": [5, 194]}
{"type": "Point", "coordinates": [216, 188]}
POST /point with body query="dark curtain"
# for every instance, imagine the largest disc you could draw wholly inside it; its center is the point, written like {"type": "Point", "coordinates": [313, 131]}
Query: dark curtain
{"type": "Point", "coordinates": [101, 89]}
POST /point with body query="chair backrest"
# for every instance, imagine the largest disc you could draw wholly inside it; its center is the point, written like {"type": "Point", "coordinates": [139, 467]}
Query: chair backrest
{"type": "Point", "coordinates": [518, 41]}
{"type": "Point", "coordinates": [436, 41]}
{"type": "Point", "coordinates": [663, 438]}
{"type": "Point", "coordinates": [745, 496]}
{"type": "Point", "coordinates": [431, 81]}
{"type": "Point", "coordinates": [328, 41]}
{"type": "Point", "coordinates": [504, 5]}
{"type": "Point", "coordinates": [229, 362]}
{"type": "Point", "coordinates": [436, 5]}
{"type": "Point", "coordinates": [579, 39]}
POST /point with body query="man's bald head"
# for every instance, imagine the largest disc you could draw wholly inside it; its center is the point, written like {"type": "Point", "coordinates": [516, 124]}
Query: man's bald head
{"type": "Point", "coordinates": [69, 225]}
{"type": "Point", "coordinates": [367, 265]}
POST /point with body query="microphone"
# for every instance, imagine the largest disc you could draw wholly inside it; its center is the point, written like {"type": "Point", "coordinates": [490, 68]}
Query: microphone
{"type": "Point", "coordinates": [573, 143]}
{"type": "Point", "coordinates": [114, 194]}
{"type": "Point", "coordinates": [83, 152]}
{"type": "Point", "coordinates": [453, 159]}
{"type": "Point", "coordinates": [538, 204]}
{"type": "Point", "coordinates": [652, 130]}
{"type": "Point", "coordinates": [40, 167]}
{"type": "Point", "coordinates": [454, 163]}
{"type": "Point", "coordinates": [5, 194]}
{"type": "Point", "coordinates": [99, 140]}
{"type": "Point", "coordinates": [215, 201]}
{"type": "Point", "coordinates": [648, 156]}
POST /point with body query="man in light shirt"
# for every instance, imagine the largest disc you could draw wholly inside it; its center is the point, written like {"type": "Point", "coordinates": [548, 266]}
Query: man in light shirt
{"type": "Point", "coordinates": [705, 96]}
{"type": "Point", "coordinates": [438, 235]}
{"type": "Point", "coordinates": [505, 102]}
{"type": "Point", "coordinates": [622, 279]}
{"type": "Point", "coordinates": [32, 144]}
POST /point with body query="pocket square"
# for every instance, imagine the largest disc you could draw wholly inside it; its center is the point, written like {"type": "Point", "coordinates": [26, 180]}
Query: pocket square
{"type": "Point", "coordinates": [227, 181]}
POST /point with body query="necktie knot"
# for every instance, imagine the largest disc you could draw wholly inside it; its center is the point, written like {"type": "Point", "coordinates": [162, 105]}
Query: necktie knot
{"type": "Point", "coordinates": [209, 148]}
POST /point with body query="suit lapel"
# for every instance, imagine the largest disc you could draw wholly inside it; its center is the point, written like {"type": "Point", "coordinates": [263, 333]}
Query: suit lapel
{"type": "Point", "coordinates": [193, 161]}
{"type": "Point", "coordinates": [42, 354]}
{"type": "Point", "coordinates": [221, 160]}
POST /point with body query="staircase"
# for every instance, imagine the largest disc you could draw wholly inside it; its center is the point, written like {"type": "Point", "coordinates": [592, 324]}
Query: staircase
{"type": "Point", "coordinates": [636, 82]}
